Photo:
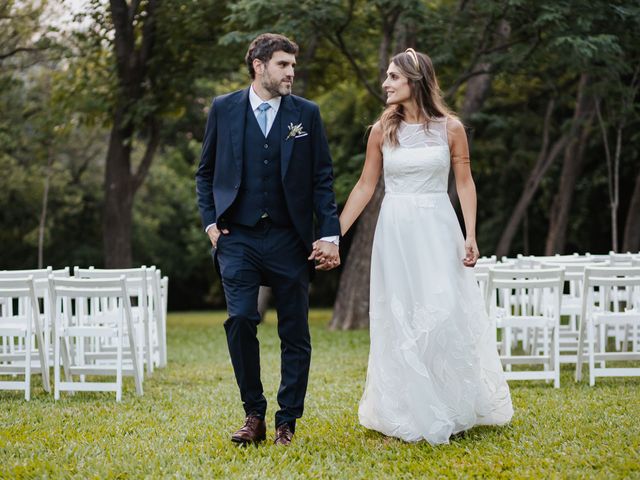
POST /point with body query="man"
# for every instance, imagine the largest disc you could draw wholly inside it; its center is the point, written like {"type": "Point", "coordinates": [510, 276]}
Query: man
{"type": "Point", "coordinates": [265, 169]}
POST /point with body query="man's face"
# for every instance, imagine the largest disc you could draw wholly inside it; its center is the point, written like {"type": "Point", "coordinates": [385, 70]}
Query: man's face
{"type": "Point", "coordinates": [276, 76]}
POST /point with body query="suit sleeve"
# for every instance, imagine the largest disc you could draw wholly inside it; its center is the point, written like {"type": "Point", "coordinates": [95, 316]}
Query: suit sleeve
{"type": "Point", "coordinates": [324, 200]}
{"type": "Point", "coordinates": [206, 168]}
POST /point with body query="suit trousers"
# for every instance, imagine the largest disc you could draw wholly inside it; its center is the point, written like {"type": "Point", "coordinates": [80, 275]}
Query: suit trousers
{"type": "Point", "coordinates": [267, 254]}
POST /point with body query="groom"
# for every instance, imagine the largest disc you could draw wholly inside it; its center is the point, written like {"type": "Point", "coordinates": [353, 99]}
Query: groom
{"type": "Point", "coordinates": [265, 169]}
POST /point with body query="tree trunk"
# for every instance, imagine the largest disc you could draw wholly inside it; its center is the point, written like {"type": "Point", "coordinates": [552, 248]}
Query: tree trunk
{"type": "Point", "coordinates": [43, 212]}
{"type": "Point", "coordinates": [117, 218]}
{"type": "Point", "coordinates": [571, 170]}
{"type": "Point", "coordinates": [351, 309]}
{"type": "Point", "coordinates": [133, 55]}
{"type": "Point", "coordinates": [631, 241]}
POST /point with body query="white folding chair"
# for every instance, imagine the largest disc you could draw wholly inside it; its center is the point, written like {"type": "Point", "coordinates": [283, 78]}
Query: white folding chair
{"type": "Point", "coordinates": [619, 260]}
{"type": "Point", "coordinates": [571, 305]}
{"type": "Point", "coordinates": [140, 286]}
{"type": "Point", "coordinates": [41, 282]}
{"type": "Point", "coordinates": [527, 299]}
{"type": "Point", "coordinates": [92, 309]}
{"type": "Point", "coordinates": [20, 334]}
{"type": "Point", "coordinates": [610, 299]}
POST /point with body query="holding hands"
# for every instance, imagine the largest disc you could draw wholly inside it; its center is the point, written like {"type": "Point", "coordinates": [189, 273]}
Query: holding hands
{"type": "Point", "coordinates": [326, 254]}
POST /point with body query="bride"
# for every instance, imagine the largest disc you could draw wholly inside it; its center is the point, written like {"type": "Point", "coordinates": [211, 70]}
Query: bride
{"type": "Point", "coordinates": [433, 366]}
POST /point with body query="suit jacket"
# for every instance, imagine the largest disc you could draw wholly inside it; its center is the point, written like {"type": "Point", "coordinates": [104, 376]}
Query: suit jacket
{"type": "Point", "coordinates": [306, 170]}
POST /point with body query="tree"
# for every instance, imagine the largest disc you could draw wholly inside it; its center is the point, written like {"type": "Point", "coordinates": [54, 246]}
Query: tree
{"type": "Point", "coordinates": [155, 52]}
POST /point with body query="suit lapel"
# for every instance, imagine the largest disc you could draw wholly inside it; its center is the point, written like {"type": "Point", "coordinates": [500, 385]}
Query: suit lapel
{"type": "Point", "coordinates": [237, 116]}
{"type": "Point", "coordinates": [290, 115]}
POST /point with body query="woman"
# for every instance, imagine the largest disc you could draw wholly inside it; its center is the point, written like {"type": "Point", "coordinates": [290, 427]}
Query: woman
{"type": "Point", "coordinates": [433, 366]}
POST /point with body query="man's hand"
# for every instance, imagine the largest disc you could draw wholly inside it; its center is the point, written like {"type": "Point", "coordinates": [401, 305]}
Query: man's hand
{"type": "Point", "coordinates": [326, 255]}
{"type": "Point", "coordinates": [214, 234]}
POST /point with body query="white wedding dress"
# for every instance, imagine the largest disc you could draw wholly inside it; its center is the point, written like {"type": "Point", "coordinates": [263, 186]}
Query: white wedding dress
{"type": "Point", "coordinates": [433, 365]}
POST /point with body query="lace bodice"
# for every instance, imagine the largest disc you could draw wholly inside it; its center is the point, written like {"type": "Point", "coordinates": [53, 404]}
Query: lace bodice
{"type": "Point", "coordinates": [420, 163]}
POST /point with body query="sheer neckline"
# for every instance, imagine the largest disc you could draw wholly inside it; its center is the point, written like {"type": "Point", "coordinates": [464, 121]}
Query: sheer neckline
{"type": "Point", "coordinates": [416, 135]}
{"type": "Point", "coordinates": [431, 120]}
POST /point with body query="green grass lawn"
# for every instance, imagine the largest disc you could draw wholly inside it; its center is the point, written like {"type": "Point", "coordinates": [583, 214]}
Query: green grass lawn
{"type": "Point", "coordinates": [182, 425]}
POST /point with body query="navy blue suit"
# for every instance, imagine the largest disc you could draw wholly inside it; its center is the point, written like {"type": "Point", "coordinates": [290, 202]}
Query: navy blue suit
{"type": "Point", "coordinates": [266, 191]}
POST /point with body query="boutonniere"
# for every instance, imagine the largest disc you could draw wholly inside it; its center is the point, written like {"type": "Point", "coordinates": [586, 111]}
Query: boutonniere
{"type": "Point", "coordinates": [295, 131]}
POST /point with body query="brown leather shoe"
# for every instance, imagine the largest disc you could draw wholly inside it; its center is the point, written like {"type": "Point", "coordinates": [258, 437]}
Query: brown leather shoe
{"type": "Point", "coordinates": [254, 430]}
{"type": "Point", "coordinates": [284, 435]}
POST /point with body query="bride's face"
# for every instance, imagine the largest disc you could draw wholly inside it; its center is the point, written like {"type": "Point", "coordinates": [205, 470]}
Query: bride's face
{"type": "Point", "coordinates": [396, 86]}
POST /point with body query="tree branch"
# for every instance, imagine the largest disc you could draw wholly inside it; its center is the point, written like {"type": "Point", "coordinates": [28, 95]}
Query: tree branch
{"type": "Point", "coordinates": [11, 53]}
{"type": "Point", "coordinates": [339, 42]}
{"type": "Point", "coordinates": [145, 164]}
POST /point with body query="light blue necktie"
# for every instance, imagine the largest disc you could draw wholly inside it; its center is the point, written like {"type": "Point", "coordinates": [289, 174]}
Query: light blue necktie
{"type": "Point", "coordinates": [262, 117]}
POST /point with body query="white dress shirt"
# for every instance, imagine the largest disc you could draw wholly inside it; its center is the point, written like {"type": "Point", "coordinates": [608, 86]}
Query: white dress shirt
{"type": "Point", "coordinates": [255, 102]}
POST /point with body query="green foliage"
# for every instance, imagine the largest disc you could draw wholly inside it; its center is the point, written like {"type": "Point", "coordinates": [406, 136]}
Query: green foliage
{"type": "Point", "coordinates": [56, 103]}
{"type": "Point", "coordinates": [181, 427]}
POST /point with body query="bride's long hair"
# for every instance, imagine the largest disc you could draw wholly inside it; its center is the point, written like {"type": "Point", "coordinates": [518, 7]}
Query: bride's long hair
{"type": "Point", "coordinates": [418, 69]}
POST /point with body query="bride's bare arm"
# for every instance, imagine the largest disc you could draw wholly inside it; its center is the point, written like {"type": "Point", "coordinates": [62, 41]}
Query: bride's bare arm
{"type": "Point", "coordinates": [363, 190]}
{"type": "Point", "coordinates": [465, 187]}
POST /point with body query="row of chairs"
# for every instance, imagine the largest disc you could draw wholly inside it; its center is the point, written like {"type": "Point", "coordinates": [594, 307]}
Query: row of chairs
{"type": "Point", "coordinates": [100, 322]}
{"type": "Point", "coordinates": [526, 297]}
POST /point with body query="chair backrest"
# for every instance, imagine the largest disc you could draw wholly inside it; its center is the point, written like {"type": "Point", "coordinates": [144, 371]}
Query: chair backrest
{"type": "Point", "coordinates": [612, 276]}
{"type": "Point", "coordinates": [40, 277]}
{"type": "Point", "coordinates": [20, 289]}
{"type": "Point", "coordinates": [574, 270]}
{"type": "Point", "coordinates": [128, 273]}
{"type": "Point", "coordinates": [538, 277]}
{"type": "Point", "coordinates": [89, 287]}
{"type": "Point", "coordinates": [621, 259]}
{"type": "Point", "coordinates": [78, 297]}
{"type": "Point", "coordinates": [533, 291]}
{"type": "Point", "coordinates": [611, 279]}
{"type": "Point", "coordinates": [139, 280]}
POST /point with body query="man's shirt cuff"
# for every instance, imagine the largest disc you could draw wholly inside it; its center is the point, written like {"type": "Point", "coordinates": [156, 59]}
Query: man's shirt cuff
{"type": "Point", "coordinates": [333, 239]}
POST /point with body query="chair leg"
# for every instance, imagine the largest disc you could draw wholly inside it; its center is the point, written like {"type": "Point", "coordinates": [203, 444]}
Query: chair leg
{"type": "Point", "coordinates": [27, 367]}
{"type": "Point", "coordinates": [579, 352]}
{"type": "Point", "coordinates": [56, 367]}
{"type": "Point", "coordinates": [556, 356]}
{"type": "Point", "coordinates": [119, 364]}
{"type": "Point", "coordinates": [604, 335]}
{"type": "Point", "coordinates": [592, 363]}
{"type": "Point", "coordinates": [507, 332]}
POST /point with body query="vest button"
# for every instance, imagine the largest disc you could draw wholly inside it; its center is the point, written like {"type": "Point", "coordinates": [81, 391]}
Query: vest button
{"type": "Point", "coordinates": [266, 162]}
{"type": "Point", "coordinates": [266, 145]}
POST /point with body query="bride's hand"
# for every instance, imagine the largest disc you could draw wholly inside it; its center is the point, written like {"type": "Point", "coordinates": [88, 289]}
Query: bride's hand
{"type": "Point", "coordinates": [471, 252]}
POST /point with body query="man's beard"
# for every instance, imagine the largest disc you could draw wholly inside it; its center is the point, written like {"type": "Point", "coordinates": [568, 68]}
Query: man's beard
{"type": "Point", "coordinates": [275, 87]}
